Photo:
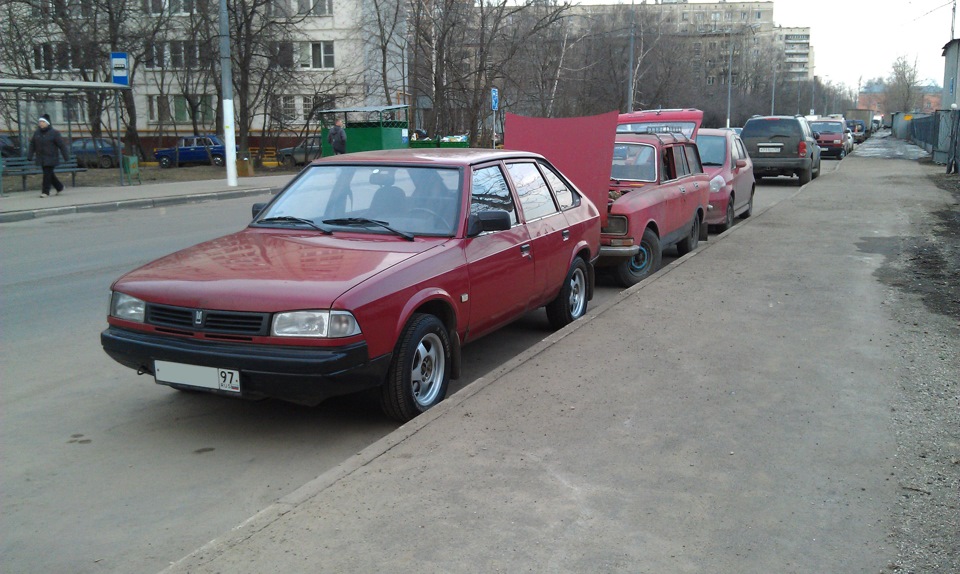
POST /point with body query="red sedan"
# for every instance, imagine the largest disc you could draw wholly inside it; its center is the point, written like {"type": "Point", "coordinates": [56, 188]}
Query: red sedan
{"type": "Point", "coordinates": [369, 270]}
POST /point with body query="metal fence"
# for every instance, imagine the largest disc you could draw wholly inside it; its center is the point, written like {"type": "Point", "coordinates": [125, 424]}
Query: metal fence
{"type": "Point", "coordinates": [938, 133]}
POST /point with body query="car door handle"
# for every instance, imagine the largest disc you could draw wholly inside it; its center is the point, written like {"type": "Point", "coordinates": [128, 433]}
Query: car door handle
{"type": "Point", "coordinates": [565, 234]}
{"type": "Point", "coordinates": [683, 190]}
{"type": "Point", "coordinates": [525, 250]}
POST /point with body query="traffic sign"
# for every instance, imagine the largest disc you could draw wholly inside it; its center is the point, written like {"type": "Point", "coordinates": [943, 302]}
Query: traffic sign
{"type": "Point", "coordinates": [118, 68]}
{"type": "Point", "coordinates": [494, 99]}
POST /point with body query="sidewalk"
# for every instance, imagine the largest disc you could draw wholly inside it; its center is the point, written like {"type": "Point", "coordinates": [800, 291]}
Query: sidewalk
{"type": "Point", "coordinates": [23, 205]}
{"type": "Point", "coordinates": [730, 414]}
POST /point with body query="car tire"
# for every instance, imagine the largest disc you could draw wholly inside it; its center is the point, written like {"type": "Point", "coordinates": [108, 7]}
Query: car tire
{"type": "Point", "coordinates": [218, 160]}
{"type": "Point", "coordinates": [728, 217]}
{"type": "Point", "coordinates": [571, 303]}
{"type": "Point", "coordinates": [289, 162]}
{"type": "Point", "coordinates": [643, 264]}
{"type": "Point", "coordinates": [806, 175]}
{"type": "Point", "coordinates": [842, 154]}
{"type": "Point", "coordinates": [106, 162]}
{"type": "Point", "coordinates": [690, 242]}
{"type": "Point", "coordinates": [746, 214]}
{"type": "Point", "coordinates": [420, 370]}
{"type": "Point", "coordinates": [165, 162]}
{"type": "Point", "coordinates": [816, 173]}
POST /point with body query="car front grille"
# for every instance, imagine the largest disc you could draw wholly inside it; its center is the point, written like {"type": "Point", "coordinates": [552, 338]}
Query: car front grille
{"type": "Point", "coordinates": [207, 321]}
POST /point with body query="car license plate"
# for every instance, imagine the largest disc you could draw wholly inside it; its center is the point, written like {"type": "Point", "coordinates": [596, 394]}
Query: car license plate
{"type": "Point", "coordinates": [769, 150]}
{"type": "Point", "coordinates": [196, 376]}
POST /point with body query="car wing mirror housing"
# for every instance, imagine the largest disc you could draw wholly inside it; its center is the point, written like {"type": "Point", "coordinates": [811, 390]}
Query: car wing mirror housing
{"type": "Point", "coordinates": [257, 208]}
{"type": "Point", "coordinates": [741, 163]}
{"type": "Point", "coordinates": [493, 220]}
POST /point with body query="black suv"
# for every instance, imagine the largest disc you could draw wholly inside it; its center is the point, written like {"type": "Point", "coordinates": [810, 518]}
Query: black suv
{"type": "Point", "coordinates": [782, 145]}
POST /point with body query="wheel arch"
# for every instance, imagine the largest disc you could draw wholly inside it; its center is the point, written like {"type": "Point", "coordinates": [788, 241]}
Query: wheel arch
{"type": "Point", "coordinates": [440, 304]}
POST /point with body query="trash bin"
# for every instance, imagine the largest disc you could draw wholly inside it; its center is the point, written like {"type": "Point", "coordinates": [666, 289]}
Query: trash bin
{"type": "Point", "coordinates": [244, 167]}
{"type": "Point", "coordinates": [131, 168]}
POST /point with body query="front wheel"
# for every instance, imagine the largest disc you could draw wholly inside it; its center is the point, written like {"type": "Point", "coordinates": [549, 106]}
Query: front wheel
{"type": "Point", "coordinates": [749, 210]}
{"type": "Point", "coordinates": [165, 162]}
{"type": "Point", "coordinates": [420, 370]}
{"type": "Point", "coordinates": [690, 242]}
{"type": "Point", "coordinates": [106, 162]}
{"type": "Point", "coordinates": [641, 265]}
{"type": "Point", "coordinates": [571, 303]}
{"type": "Point", "coordinates": [218, 160]}
{"type": "Point", "coordinates": [728, 217]}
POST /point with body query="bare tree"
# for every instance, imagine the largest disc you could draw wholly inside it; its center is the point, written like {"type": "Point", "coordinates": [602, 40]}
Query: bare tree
{"type": "Point", "coordinates": [903, 93]}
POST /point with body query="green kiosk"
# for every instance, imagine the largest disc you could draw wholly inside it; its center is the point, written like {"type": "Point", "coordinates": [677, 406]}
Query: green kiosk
{"type": "Point", "coordinates": [368, 128]}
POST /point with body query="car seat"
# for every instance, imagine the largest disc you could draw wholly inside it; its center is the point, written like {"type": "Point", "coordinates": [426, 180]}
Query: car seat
{"type": "Point", "coordinates": [388, 199]}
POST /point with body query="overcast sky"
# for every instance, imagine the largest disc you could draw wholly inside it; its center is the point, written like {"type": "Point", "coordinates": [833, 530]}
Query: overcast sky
{"type": "Point", "coordinates": [856, 39]}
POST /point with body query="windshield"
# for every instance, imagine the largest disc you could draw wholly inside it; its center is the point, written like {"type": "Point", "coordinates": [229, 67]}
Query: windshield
{"type": "Point", "coordinates": [713, 149]}
{"type": "Point", "coordinates": [827, 127]}
{"type": "Point", "coordinates": [634, 162]}
{"type": "Point", "coordinates": [675, 127]}
{"type": "Point", "coordinates": [412, 200]}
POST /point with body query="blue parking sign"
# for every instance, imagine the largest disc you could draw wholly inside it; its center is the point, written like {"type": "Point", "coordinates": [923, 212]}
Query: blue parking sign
{"type": "Point", "coordinates": [494, 99]}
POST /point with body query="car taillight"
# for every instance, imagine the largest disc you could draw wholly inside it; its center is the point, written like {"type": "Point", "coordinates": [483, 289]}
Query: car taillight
{"type": "Point", "coordinates": [802, 149]}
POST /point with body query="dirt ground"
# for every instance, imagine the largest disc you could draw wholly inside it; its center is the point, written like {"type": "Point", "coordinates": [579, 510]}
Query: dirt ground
{"type": "Point", "coordinates": [926, 267]}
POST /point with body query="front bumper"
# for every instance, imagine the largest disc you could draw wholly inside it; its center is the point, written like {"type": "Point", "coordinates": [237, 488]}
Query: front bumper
{"type": "Point", "coordinates": [303, 375]}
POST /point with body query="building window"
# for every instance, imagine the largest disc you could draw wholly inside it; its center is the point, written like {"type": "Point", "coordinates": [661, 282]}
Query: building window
{"type": "Point", "coordinates": [315, 7]}
{"type": "Point", "coordinates": [312, 105]}
{"type": "Point", "coordinates": [711, 80]}
{"type": "Point", "coordinates": [318, 55]}
{"type": "Point", "coordinates": [58, 56]}
{"type": "Point", "coordinates": [281, 55]}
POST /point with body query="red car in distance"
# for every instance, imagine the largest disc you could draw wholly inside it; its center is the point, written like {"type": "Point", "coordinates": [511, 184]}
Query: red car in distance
{"type": "Point", "coordinates": [368, 271]}
{"type": "Point", "coordinates": [732, 183]}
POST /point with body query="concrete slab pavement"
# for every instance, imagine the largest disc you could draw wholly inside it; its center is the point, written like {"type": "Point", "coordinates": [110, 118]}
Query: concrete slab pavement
{"type": "Point", "coordinates": [24, 205]}
{"type": "Point", "coordinates": [730, 414]}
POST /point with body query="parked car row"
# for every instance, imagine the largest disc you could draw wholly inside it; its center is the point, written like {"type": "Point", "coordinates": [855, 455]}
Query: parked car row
{"type": "Point", "coordinates": [371, 270]}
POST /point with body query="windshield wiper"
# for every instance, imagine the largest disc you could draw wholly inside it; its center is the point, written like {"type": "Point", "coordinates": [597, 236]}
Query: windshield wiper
{"type": "Point", "coordinates": [292, 219]}
{"type": "Point", "coordinates": [365, 222]}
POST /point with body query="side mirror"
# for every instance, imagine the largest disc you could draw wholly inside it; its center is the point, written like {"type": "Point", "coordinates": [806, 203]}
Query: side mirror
{"type": "Point", "coordinates": [493, 220]}
{"type": "Point", "coordinates": [741, 163]}
{"type": "Point", "coordinates": [816, 135]}
{"type": "Point", "coordinates": [257, 208]}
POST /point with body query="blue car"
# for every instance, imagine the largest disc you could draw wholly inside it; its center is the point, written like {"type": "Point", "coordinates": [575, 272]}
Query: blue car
{"type": "Point", "coordinates": [94, 152]}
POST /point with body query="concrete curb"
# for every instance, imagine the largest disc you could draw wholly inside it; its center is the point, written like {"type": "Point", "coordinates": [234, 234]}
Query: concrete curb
{"type": "Point", "coordinates": [145, 203]}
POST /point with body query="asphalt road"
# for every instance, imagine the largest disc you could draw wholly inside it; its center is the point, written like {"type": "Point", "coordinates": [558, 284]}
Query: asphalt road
{"type": "Point", "coordinates": [104, 471]}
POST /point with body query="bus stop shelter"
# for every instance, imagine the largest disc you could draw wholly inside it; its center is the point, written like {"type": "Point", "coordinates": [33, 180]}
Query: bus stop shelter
{"type": "Point", "coordinates": [25, 91]}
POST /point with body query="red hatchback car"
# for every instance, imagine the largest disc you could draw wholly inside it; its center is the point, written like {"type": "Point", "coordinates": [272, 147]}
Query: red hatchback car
{"type": "Point", "coordinates": [369, 270]}
{"type": "Point", "coordinates": [732, 183]}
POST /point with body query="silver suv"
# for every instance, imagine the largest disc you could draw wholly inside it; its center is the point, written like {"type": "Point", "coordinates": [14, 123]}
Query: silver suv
{"type": "Point", "coordinates": [782, 145]}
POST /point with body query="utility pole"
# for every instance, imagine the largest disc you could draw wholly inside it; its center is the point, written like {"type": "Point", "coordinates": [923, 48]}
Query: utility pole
{"type": "Point", "coordinates": [226, 81]}
{"type": "Point", "coordinates": [633, 33]}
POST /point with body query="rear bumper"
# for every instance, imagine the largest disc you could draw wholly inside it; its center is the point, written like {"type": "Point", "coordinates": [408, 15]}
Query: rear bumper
{"type": "Point", "coordinates": [780, 166]}
{"type": "Point", "coordinates": [304, 375]}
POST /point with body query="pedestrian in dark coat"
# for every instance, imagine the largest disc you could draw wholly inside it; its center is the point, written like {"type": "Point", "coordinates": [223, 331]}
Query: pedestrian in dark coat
{"type": "Point", "coordinates": [337, 138]}
{"type": "Point", "coordinates": [47, 145]}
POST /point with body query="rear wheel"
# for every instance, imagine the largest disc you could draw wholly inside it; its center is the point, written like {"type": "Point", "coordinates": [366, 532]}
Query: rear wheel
{"type": "Point", "coordinates": [690, 242]}
{"type": "Point", "coordinates": [805, 175]}
{"type": "Point", "coordinates": [571, 303]}
{"type": "Point", "coordinates": [218, 160]}
{"type": "Point", "coordinates": [106, 162]}
{"type": "Point", "coordinates": [643, 264]}
{"type": "Point", "coordinates": [165, 162]}
{"type": "Point", "coordinates": [288, 161]}
{"type": "Point", "coordinates": [420, 370]}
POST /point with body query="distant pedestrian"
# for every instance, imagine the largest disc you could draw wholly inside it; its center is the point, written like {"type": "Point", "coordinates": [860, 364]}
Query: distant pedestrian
{"type": "Point", "coordinates": [48, 146]}
{"type": "Point", "coordinates": [337, 138]}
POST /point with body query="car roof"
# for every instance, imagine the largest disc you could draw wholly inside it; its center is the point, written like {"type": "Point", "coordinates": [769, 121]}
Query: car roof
{"type": "Point", "coordinates": [651, 138]}
{"type": "Point", "coordinates": [453, 157]}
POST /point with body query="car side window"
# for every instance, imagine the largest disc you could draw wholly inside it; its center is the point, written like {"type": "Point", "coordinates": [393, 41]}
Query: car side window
{"type": "Point", "coordinates": [489, 191]}
{"type": "Point", "coordinates": [680, 161]}
{"type": "Point", "coordinates": [566, 197]}
{"type": "Point", "coordinates": [667, 164]}
{"type": "Point", "coordinates": [532, 190]}
{"type": "Point", "coordinates": [741, 150]}
{"type": "Point", "coordinates": [693, 158]}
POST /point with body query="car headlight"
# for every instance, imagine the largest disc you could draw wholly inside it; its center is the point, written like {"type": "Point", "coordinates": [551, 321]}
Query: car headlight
{"type": "Point", "coordinates": [616, 225]}
{"type": "Point", "coordinates": [123, 306]}
{"type": "Point", "coordinates": [717, 183]}
{"type": "Point", "coordinates": [324, 324]}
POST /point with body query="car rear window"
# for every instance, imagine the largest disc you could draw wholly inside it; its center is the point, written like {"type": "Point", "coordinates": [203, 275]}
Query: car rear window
{"type": "Point", "coordinates": [765, 128]}
{"type": "Point", "coordinates": [827, 127]}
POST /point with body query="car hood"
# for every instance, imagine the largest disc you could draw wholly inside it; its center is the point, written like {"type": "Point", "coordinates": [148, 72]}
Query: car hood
{"type": "Point", "coordinates": [260, 270]}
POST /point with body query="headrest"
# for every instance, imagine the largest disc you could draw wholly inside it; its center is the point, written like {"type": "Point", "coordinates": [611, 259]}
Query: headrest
{"type": "Point", "coordinates": [382, 177]}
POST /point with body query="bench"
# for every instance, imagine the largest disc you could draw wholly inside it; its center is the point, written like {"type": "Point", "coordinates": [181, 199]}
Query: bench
{"type": "Point", "coordinates": [23, 167]}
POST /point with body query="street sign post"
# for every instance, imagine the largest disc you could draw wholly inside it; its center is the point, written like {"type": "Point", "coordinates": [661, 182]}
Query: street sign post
{"type": "Point", "coordinates": [118, 68]}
